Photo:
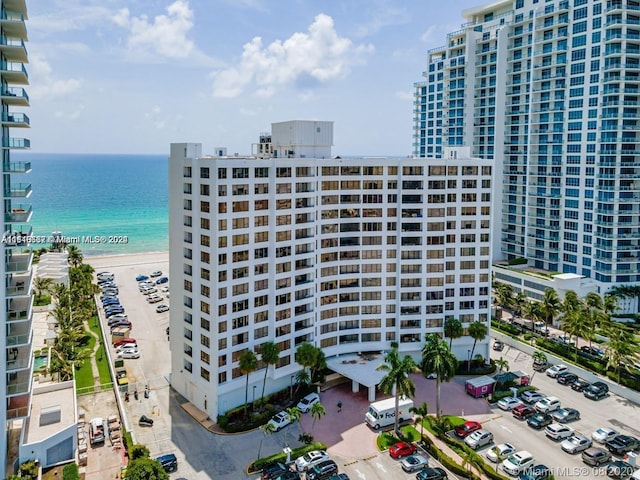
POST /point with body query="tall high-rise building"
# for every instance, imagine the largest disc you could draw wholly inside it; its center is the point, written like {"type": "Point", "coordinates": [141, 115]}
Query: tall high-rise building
{"type": "Point", "coordinates": [291, 245]}
{"type": "Point", "coordinates": [550, 91]}
{"type": "Point", "coordinates": [15, 339]}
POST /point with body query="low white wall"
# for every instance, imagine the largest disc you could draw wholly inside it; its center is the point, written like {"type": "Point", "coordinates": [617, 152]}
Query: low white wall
{"type": "Point", "coordinates": [624, 392]}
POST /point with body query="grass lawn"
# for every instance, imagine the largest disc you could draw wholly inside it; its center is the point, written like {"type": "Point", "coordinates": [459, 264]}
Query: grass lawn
{"type": "Point", "coordinates": [103, 368]}
{"type": "Point", "coordinates": [386, 439]}
{"type": "Point", "coordinates": [84, 375]}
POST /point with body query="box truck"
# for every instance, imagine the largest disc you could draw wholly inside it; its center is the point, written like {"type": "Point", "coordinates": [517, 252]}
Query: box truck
{"type": "Point", "coordinates": [383, 413]}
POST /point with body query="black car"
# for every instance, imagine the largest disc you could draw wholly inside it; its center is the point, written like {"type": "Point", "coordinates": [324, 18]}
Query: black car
{"type": "Point", "coordinates": [620, 469]}
{"type": "Point", "coordinates": [322, 470]}
{"type": "Point", "coordinates": [538, 472]}
{"type": "Point", "coordinates": [339, 476]}
{"type": "Point", "coordinates": [593, 351]}
{"type": "Point", "coordinates": [145, 421]}
{"type": "Point", "coordinates": [623, 444]}
{"type": "Point", "coordinates": [539, 421]}
{"type": "Point", "coordinates": [596, 390]}
{"type": "Point", "coordinates": [430, 473]}
{"type": "Point", "coordinates": [169, 462]}
{"type": "Point", "coordinates": [579, 385]}
{"type": "Point", "coordinates": [274, 470]}
{"type": "Point", "coordinates": [566, 378]}
{"type": "Point", "coordinates": [288, 475]}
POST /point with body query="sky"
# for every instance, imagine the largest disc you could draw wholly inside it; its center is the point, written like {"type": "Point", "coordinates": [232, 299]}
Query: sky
{"type": "Point", "coordinates": [133, 76]}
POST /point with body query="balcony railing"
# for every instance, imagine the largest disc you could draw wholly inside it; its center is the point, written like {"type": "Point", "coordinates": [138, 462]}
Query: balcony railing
{"type": "Point", "coordinates": [15, 119]}
{"type": "Point", "coordinates": [19, 263]}
{"type": "Point", "coordinates": [15, 96]}
{"type": "Point", "coordinates": [16, 143]}
{"type": "Point", "coordinates": [14, 388]}
{"type": "Point", "coordinates": [18, 190]}
{"type": "Point", "coordinates": [18, 214]}
{"type": "Point", "coordinates": [18, 167]}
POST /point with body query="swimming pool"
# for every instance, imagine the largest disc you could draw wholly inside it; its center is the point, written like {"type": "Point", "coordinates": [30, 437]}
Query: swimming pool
{"type": "Point", "coordinates": [39, 362]}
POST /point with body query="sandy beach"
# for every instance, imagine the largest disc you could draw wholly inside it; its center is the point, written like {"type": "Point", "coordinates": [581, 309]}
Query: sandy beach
{"type": "Point", "coordinates": [128, 262]}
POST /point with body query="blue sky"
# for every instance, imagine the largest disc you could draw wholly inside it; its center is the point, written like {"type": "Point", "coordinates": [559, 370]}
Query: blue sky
{"type": "Point", "coordinates": [132, 76]}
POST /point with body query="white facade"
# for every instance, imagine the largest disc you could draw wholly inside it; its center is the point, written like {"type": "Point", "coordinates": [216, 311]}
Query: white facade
{"type": "Point", "coordinates": [15, 269]}
{"type": "Point", "coordinates": [549, 90]}
{"type": "Point", "coordinates": [349, 254]}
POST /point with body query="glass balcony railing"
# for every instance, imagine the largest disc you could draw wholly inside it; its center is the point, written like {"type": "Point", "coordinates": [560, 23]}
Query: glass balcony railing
{"type": "Point", "coordinates": [14, 16]}
{"type": "Point", "coordinates": [15, 118]}
{"type": "Point", "coordinates": [16, 143]}
{"type": "Point", "coordinates": [18, 213]}
{"type": "Point", "coordinates": [14, 388]}
{"type": "Point", "coordinates": [18, 167]}
{"type": "Point", "coordinates": [21, 190]}
{"type": "Point", "coordinates": [20, 263]}
{"type": "Point", "coordinates": [15, 96]}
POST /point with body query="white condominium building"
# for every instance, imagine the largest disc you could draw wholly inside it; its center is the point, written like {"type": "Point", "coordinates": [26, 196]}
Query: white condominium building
{"type": "Point", "coordinates": [550, 91]}
{"type": "Point", "coordinates": [349, 254]}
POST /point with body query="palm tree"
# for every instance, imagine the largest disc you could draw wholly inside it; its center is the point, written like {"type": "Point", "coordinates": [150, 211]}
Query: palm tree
{"type": "Point", "coordinates": [519, 301]}
{"type": "Point", "coordinates": [551, 305]}
{"type": "Point", "coordinates": [504, 294]}
{"type": "Point", "coordinates": [477, 331]}
{"type": "Point", "coordinates": [621, 350]}
{"type": "Point", "coordinates": [248, 364]}
{"type": "Point", "coordinates": [453, 329]}
{"type": "Point", "coordinates": [539, 357]}
{"type": "Point", "coordinates": [422, 411]}
{"type": "Point", "coordinates": [293, 414]}
{"type": "Point", "coordinates": [267, 429]}
{"type": "Point", "coordinates": [306, 356]}
{"type": "Point", "coordinates": [502, 364]}
{"type": "Point", "coordinates": [626, 291]}
{"type": "Point", "coordinates": [270, 356]}
{"type": "Point", "coordinates": [42, 285]}
{"type": "Point", "coordinates": [471, 460]}
{"type": "Point", "coordinates": [74, 256]}
{"type": "Point", "coordinates": [317, 412]}
{"type": "Point", "coordinates": [397, 379]}
{"type": "Point", "coordinates": [437, 358]}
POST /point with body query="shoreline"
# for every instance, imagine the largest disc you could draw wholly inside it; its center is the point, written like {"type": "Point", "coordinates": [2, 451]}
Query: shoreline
{"type": "Point", "coordinates": [127, 259]}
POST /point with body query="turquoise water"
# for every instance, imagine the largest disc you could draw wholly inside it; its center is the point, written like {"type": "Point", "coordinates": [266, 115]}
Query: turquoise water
{"type": "Point", "coordinates": [39, 362]}
{"type": "Point", "coordinates": [87, 195]}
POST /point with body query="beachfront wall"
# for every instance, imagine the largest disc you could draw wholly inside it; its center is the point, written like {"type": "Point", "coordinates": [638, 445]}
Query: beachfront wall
{"type": "Point", "coordinates": [347, 254]}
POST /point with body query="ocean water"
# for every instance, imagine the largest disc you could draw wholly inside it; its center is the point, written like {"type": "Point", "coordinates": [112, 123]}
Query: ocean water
{"type": "Point", "coordinates": [111, 204]}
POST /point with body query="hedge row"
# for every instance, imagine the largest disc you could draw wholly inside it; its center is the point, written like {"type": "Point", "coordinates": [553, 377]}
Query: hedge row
{"type": "Point", "coordinates": [504, 327]}
{"type": "Point", "coordinates": [282, 457]}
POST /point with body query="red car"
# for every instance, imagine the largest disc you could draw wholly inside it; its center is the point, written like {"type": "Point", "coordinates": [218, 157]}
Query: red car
{"type": "Point", "coordinates": [125, 340]}
{"type": "Point", "coordinates": [402, 449]}
{"type": "Point", "coordinates": [523, 412]}
{"type": "Point", "coordinates": [467, 428]}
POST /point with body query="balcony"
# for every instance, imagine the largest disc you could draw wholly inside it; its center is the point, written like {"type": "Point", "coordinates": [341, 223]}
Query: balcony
{"type": "Point", "coordinates": [19, 263]}
{"type": "Point", "coordinates": [15, 96]}
{"type": "Point", "coordinates": [19, 309]}
{"type": "Point", "coordinates": [14, 72]}
{"type": "Point", "coordinates": [12, 21]}
{"type": "Point", "coordinates": [19, 358]}
{"type": "Point", "coordinates": [18, 406]}
{"type": "Point", "coordinates": [18, 238]}
{"type": "Point", "coordinates": [16, 143]}
{"type": "Point", "coordinates": [19, 285]}
{"type": "Point", "coordinates": [11, 119]}
{"type": "Point", "coordinates": [19, 334]}
{"type": "Point", "coordinates": [20, 213]}
{"type": "Point", "coordinates": [13, 49]}
{"type": "Point", "coordinates": [18, 190]}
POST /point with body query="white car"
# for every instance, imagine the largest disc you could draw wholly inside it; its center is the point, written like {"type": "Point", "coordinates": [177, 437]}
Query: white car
{"type": "Point", "coordinates": [165, 288]}
{"type": "Point", "coordinates": [126, 346]}
{"type": "Point", "coordinates": [555, 370]}
{"type": "Point", "coordinates": [576, 444]}
{"type": "Point", "coordinates": [163, 307]}
{"type": "Point", "coordinates": [604, 434]}
{"type": "Point", "coordinates": [307, 402]}
{"type": "Point", "coordinates": [518, 463]}
{"type": "Point", "coordinates": [129, 353]}
{"type": "Point", "coordinates": [157, 273]}
{"type": "Point", "coordinates": [308, 460]}
{"type": "Point", "coordinates": [508, 403]}
{"type": "Point", "coordinates": [558, 431]}
{"type": "Point", "coordinates": [279, 421]}
{"type": "Point", "coordinates": [500, 452]}
{"type": "Point", "coordinates": [532, 396]}
{"type": "Point", "coordinates": [548, 405]}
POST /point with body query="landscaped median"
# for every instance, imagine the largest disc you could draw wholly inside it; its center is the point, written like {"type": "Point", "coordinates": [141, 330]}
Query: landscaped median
{"type": "Point", "coordinates": [281, 457]}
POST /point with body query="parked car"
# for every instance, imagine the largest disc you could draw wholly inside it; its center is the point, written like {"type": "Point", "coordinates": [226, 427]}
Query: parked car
{"type": "Point", "coordinates": [429, 473]}
{"type": "Point", "coordinates": [518, 462]}
{"type": "Point", "coordinates": [125, 346]}
{"type": "Point", "coordinates": [154, 298]}
{"type": "Point", "coordinates": [539, 420]}
{"type": "Point", "coordinates": [288, 475]}
{"type": "Point", "coordinates": [157, 273]}
{"type": "Point", "coordinates": [565, 339]}
{"type": "Point", "coordinates": [129, 354]}
{"type": "Point", "coordinates": [576, 444]}
{"type": "Point", "coordinates": [532, 396]}
{"type": "Point", "coordinates": [310, 459]}
{"type": "Point", "coordinates": [339, 476]}
{"type": "Point", "coordinates": [413, 463]}
{"type": "Point", "coordinates": [537, 472]}
{"type": "Point", "coordinates": [498, 346]}
{"type": "Point", "coordinates": [555, 370]}
{"type": "Point", "coordinates": [145, 421]}
{"type": "Point", "coordinates": [509, 403]}
{"type": "Point", "coordinates": [623, 444]}
{"type": "Point", "coordinates": [105, 276]}
{"type": "Point", "coordinates": [467, 428]}
{"type": "Point", "coordinates": [523, 412]}
{"type": "Point", "coordinates": [141, 278]}
{"type": "Point", "coordinates": [604, 434]}
{"type": "Point", "coordinates": [558, 431]}
{"type": "Point", "coordinates": [402, 449]}
{"type": "Point", "coordinates": [125, 341]}
{"type": "Point", "coordinates": [479, 438]}
{"type": "Point", "coordinates": [500, 452]}
{"type": "Point", "coordinates": [162, 280]}
{"type": "Point", "coordinates": [279, 421]}
{"type": "Point", "coordinates": [307, 402]}
{"type": "Point", "coordinates": [149, 290]}
{"type": "Point", "coordinates": [566, 378]}
{"type": "Point", "coordinates": [596, 456]}
{"type": "Point", "coordinates": [593, 351]}
{"type": "Point", "coordinates": [564, 415]}
{"type": "Point", "coordinates": [274, 470]}
{"type": "Point", "coordinates": [579, 385]}
{"type": "Point", "coordinates": [596, 391]}
{"type": "Point", "coordinates": [620, 469]}
{"type": "Point", "coordinates": [548, 404]}
{"type": "Point", "coordinates": [540, 366]}
{"type": "Point", "coordinates": [121, 324]}
{"type": "Point", "coordinates": [163, 307]}
{"type": "Point", "coordinates": [169, 462]}
{"type": "Point", "coordinates": [322, 470]}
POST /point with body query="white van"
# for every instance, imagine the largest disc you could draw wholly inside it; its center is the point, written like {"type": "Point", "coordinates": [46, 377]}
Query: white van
{"type": "Point", "coordinates": [383, 413]}
{"type": "Point", "coordinates": [96, 430]}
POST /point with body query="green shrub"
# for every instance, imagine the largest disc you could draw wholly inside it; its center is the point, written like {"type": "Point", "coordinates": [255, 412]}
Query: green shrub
{"type": "Point", "coordinates": [504, 327]}
{"type": "Point", "coordinates": [517, 261]}
{"type": "Point", "coordinates": [528, 336]}
{"type": "Point", "coordinates": [138, 451]}
{"type": "Point", "coordinates": [222, 421]}
{"type": "Point", "coordinates": [71, 472]}
{"type": "Point", "coordinates": [281, 457]}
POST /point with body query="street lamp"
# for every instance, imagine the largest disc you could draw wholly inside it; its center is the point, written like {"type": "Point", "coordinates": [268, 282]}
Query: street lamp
{"type": "Point", "coordinates": [291, 388]}
{"type": "Point", "coordinates": [253, 404]}
{"type": "Point", "coordinates": [469, 360]}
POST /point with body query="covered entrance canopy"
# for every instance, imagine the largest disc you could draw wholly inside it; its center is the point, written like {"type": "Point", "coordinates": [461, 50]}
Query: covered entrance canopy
{"type": "Point", "coordinates": [361, 370]}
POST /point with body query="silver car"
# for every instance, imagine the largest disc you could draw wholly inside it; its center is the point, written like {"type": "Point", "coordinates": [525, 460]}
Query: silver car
{"type": "Point", "coordinates": [576, 443]}
{"type": "Point", "coordinates": [479, 438]}
{"type": "Point", "coordinates": [413, 463]}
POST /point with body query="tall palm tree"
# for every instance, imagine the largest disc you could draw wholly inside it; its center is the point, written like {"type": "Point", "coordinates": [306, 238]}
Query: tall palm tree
{"type": "Point", "coordinates": [270, 354]}
{"type": "Point", "coordinates": [627, 291]}
{"type": "Point", "coordinates": [74, 256]}
{"type": "Point", "coordinates": [397, 378]}
{"type": "Point", "coordinates": [437, 358]}
{"type": "Point", "coordinates": [539, 357]}
{"type": "Point", "coordinates": [42, 285]}
{"type": "Point", "coordinates": [519, 301]}
{"type": "Point", "coordinates": [293, 414]}
{"type": "Point", "coordinates": [502, 364]}
{"type": "Point", "coordinates": [504, 294]}
{"type": "Point", "coordinates": [477, 331]}
{"type": "Point", "coordinates": [317, 412]}
{"type": "Point", "coordinates": [551, 305]}
{"type": "Point", "coordinates": [453, 329]}
{"type": "Point", "coordinates": [421, 411]}
{"type": "Point", "coordinates": [534, 311]}
{"type": "Point", "coordinates": [306, 357]}
{"type": "Point", "coordinates": [621, 350]}
{"type": "Point", "coordinates": [248, 364]}
{"type": "Point", "coordinates": [471, 460]}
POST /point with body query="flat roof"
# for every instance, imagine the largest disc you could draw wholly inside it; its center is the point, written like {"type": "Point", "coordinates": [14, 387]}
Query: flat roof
{"type": "Point", "coordinates": [55, 404]}
{"type": "Point", "coordinates": [361, 368]}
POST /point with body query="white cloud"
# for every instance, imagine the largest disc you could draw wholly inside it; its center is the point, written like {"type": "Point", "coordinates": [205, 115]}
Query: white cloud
{"type": "Point", "coordinates": [404, 94]}
{"type": "Point", "coordinates": [70, 115]}
{"type": "Point", "coordinates": [165, 35]}
{"type": "Point", "coordinates": [43, 83]}
{"type": "Point", "coordinates": [383, 17]}
{"type": "Point", "coordinates": [319, 55]}
{"type": "Point", "coordinates": [158, 119]}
